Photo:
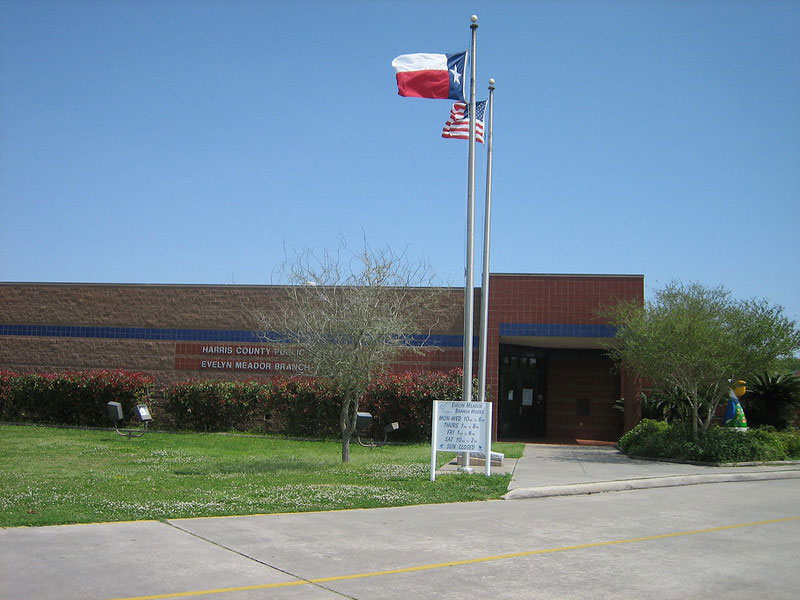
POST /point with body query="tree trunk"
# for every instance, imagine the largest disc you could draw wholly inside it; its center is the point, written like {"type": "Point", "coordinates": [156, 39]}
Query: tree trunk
{"type": "Point", "coordinates": [695, 419]}
{"type": "Point", "coordinates": [345, 450]}
{"type": "Point", "coordinates": [347, 422]}
{"type": "Point", "coordinates": [712, 408]}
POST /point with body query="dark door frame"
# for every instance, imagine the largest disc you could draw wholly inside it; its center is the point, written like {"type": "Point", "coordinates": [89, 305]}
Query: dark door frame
{"type": "Point", "coordinates": [522, 393]}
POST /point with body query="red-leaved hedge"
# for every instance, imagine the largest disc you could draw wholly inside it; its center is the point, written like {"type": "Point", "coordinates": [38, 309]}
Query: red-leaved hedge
{"type": "Point", "coordinates": [407, 398]}
{"type": "Point", "coordinates": [306, 407]}
{"type": "Point", "coordinates": [71, 398]}
{"type": "Point", "coordinates": [205, 405]}
{"type": "Point", "coordinates": [297, 406]}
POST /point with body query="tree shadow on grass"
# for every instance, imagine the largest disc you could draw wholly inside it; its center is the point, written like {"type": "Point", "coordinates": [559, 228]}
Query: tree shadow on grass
{"type": "Point", "coordinates": [272, 465]}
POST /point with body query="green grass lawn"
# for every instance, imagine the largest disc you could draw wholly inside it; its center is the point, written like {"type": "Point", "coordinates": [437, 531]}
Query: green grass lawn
{"type": "Point", "coordinates": [52, 476]}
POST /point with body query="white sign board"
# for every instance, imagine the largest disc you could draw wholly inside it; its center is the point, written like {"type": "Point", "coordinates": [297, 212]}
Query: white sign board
{"type": "Point", "coordinates": [461, 427]}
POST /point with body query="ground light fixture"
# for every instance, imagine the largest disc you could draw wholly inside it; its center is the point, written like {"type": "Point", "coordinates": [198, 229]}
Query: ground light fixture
{"type": "Point", "coordinates": [364, 422]}
{"type": "Point", "coordinates": [141, 412]}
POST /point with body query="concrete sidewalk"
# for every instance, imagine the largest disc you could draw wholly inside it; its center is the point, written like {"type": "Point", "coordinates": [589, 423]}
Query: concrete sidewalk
{"type": "Point", "coordinates": [551, 470]}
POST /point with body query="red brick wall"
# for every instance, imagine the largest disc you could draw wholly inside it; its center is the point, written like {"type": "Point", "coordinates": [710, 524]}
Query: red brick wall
{"type": "Point", "coordinates": [156, 306]}
{"type": "Point", "coordinates": [542, 299]}
{"type": "Point", "coordinates": [582, 377]}
{"type": "Point", "coordinates": [557, 299]}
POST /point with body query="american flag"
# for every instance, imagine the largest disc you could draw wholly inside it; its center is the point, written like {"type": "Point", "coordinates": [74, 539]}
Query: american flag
{"type": "Point", "coordinates": [457, 125]}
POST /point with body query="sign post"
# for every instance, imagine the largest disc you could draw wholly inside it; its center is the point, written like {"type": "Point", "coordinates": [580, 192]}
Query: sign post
{"type": "Point", "coordinates": [461, 427]}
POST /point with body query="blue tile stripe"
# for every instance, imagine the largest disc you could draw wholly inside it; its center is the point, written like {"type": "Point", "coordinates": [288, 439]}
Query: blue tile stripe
{"type": "Point", "coordinates": [184, 335]}
{"type": "Point", "coordinates": [244, 336]}
{"type": "Point", "coordinates": [557, 330]}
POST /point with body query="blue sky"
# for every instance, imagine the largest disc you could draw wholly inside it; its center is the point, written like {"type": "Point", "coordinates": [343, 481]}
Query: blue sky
{"type": "Point", "coordinates": [189, 141]}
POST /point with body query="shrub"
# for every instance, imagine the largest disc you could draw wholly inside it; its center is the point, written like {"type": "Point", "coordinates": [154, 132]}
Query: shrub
{"type": "Point", "coordinates": [666, 404]}
{"type": "Point", "coordinates": [791, 442]}
{"type": "Point", "coordinates": [725, 444]}
{"type": "Point", "coordinates": [72, 398]}
{"type": "Point", "coordinates": [305, 407]}
{"type": "Point", "coordinates": [299, 406]}
{"type": "Point", "coordinates": [408, 399]}
{"type": "Point", "coordinates": [6, 381]}
{"type": "Point", "coordinates": [657, 439]}
{"type": "Point", "coordinates": [641, 437]}
{"type": "Point", "coordinates": [773, 400]}
{"type": "Point", "coordinates": [207, 405]}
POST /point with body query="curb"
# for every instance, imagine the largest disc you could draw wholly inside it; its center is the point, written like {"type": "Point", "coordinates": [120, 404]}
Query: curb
{"type": "Point", "coordinates": [699, 463]}
{"type": "Point", "coordinates": [644, 484]}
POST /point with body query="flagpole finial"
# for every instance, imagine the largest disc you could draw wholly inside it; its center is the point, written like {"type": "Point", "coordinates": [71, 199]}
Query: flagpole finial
{"type": "Point", "coordinates": [474, 19]}
{"type": "Point", "coordinates": [491, 82]}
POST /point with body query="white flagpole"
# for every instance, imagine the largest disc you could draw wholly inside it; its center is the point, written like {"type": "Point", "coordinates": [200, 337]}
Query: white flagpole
{"type": "Point", "coordinates": [469, 293]}
{"type": "Point", "coordinates": [487, 233]}
{"type": "Point", "coordinates": [469, 284]}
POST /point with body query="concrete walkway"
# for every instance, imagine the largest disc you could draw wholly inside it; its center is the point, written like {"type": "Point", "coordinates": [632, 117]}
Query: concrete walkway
{"type": "Point", "coordinates": [550, 470]}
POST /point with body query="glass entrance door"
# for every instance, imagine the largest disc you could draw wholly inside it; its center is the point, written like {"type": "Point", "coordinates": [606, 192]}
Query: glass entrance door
{"type": "Point", "coordinates": [523, 406]}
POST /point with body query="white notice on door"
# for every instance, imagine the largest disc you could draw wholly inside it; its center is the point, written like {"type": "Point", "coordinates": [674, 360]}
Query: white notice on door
{"type": "Point", "coordinates": [527, 397]}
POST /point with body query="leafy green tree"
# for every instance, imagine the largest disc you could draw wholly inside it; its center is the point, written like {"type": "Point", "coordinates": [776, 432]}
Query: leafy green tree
{"type": "Point", "coordinates": [790, 365]}
{"type": "Point", "coordinates": [772, 399]}
{"type": "Point", "coordinates": [693, 339]}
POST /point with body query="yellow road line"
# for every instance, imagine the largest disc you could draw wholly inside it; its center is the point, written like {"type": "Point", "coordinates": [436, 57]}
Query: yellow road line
{"type": "Point", "coordinates": [456, 563]}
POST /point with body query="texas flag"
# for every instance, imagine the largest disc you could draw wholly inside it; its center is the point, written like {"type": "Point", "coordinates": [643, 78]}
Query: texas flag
{"type": "Point", "coordinates": [431, 75]}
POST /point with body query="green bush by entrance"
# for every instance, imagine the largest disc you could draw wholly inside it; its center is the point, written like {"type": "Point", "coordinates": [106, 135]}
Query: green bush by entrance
{"type": "Point", "coordinates": [658, 439]}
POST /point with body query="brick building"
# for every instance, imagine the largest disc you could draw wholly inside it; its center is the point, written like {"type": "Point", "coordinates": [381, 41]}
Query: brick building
{"type": "Point", "coordinates": [547, 374]}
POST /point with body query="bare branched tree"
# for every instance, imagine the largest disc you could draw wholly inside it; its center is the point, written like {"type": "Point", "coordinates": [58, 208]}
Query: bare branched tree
{"type": "Point", "coordinates": [352, 313]}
